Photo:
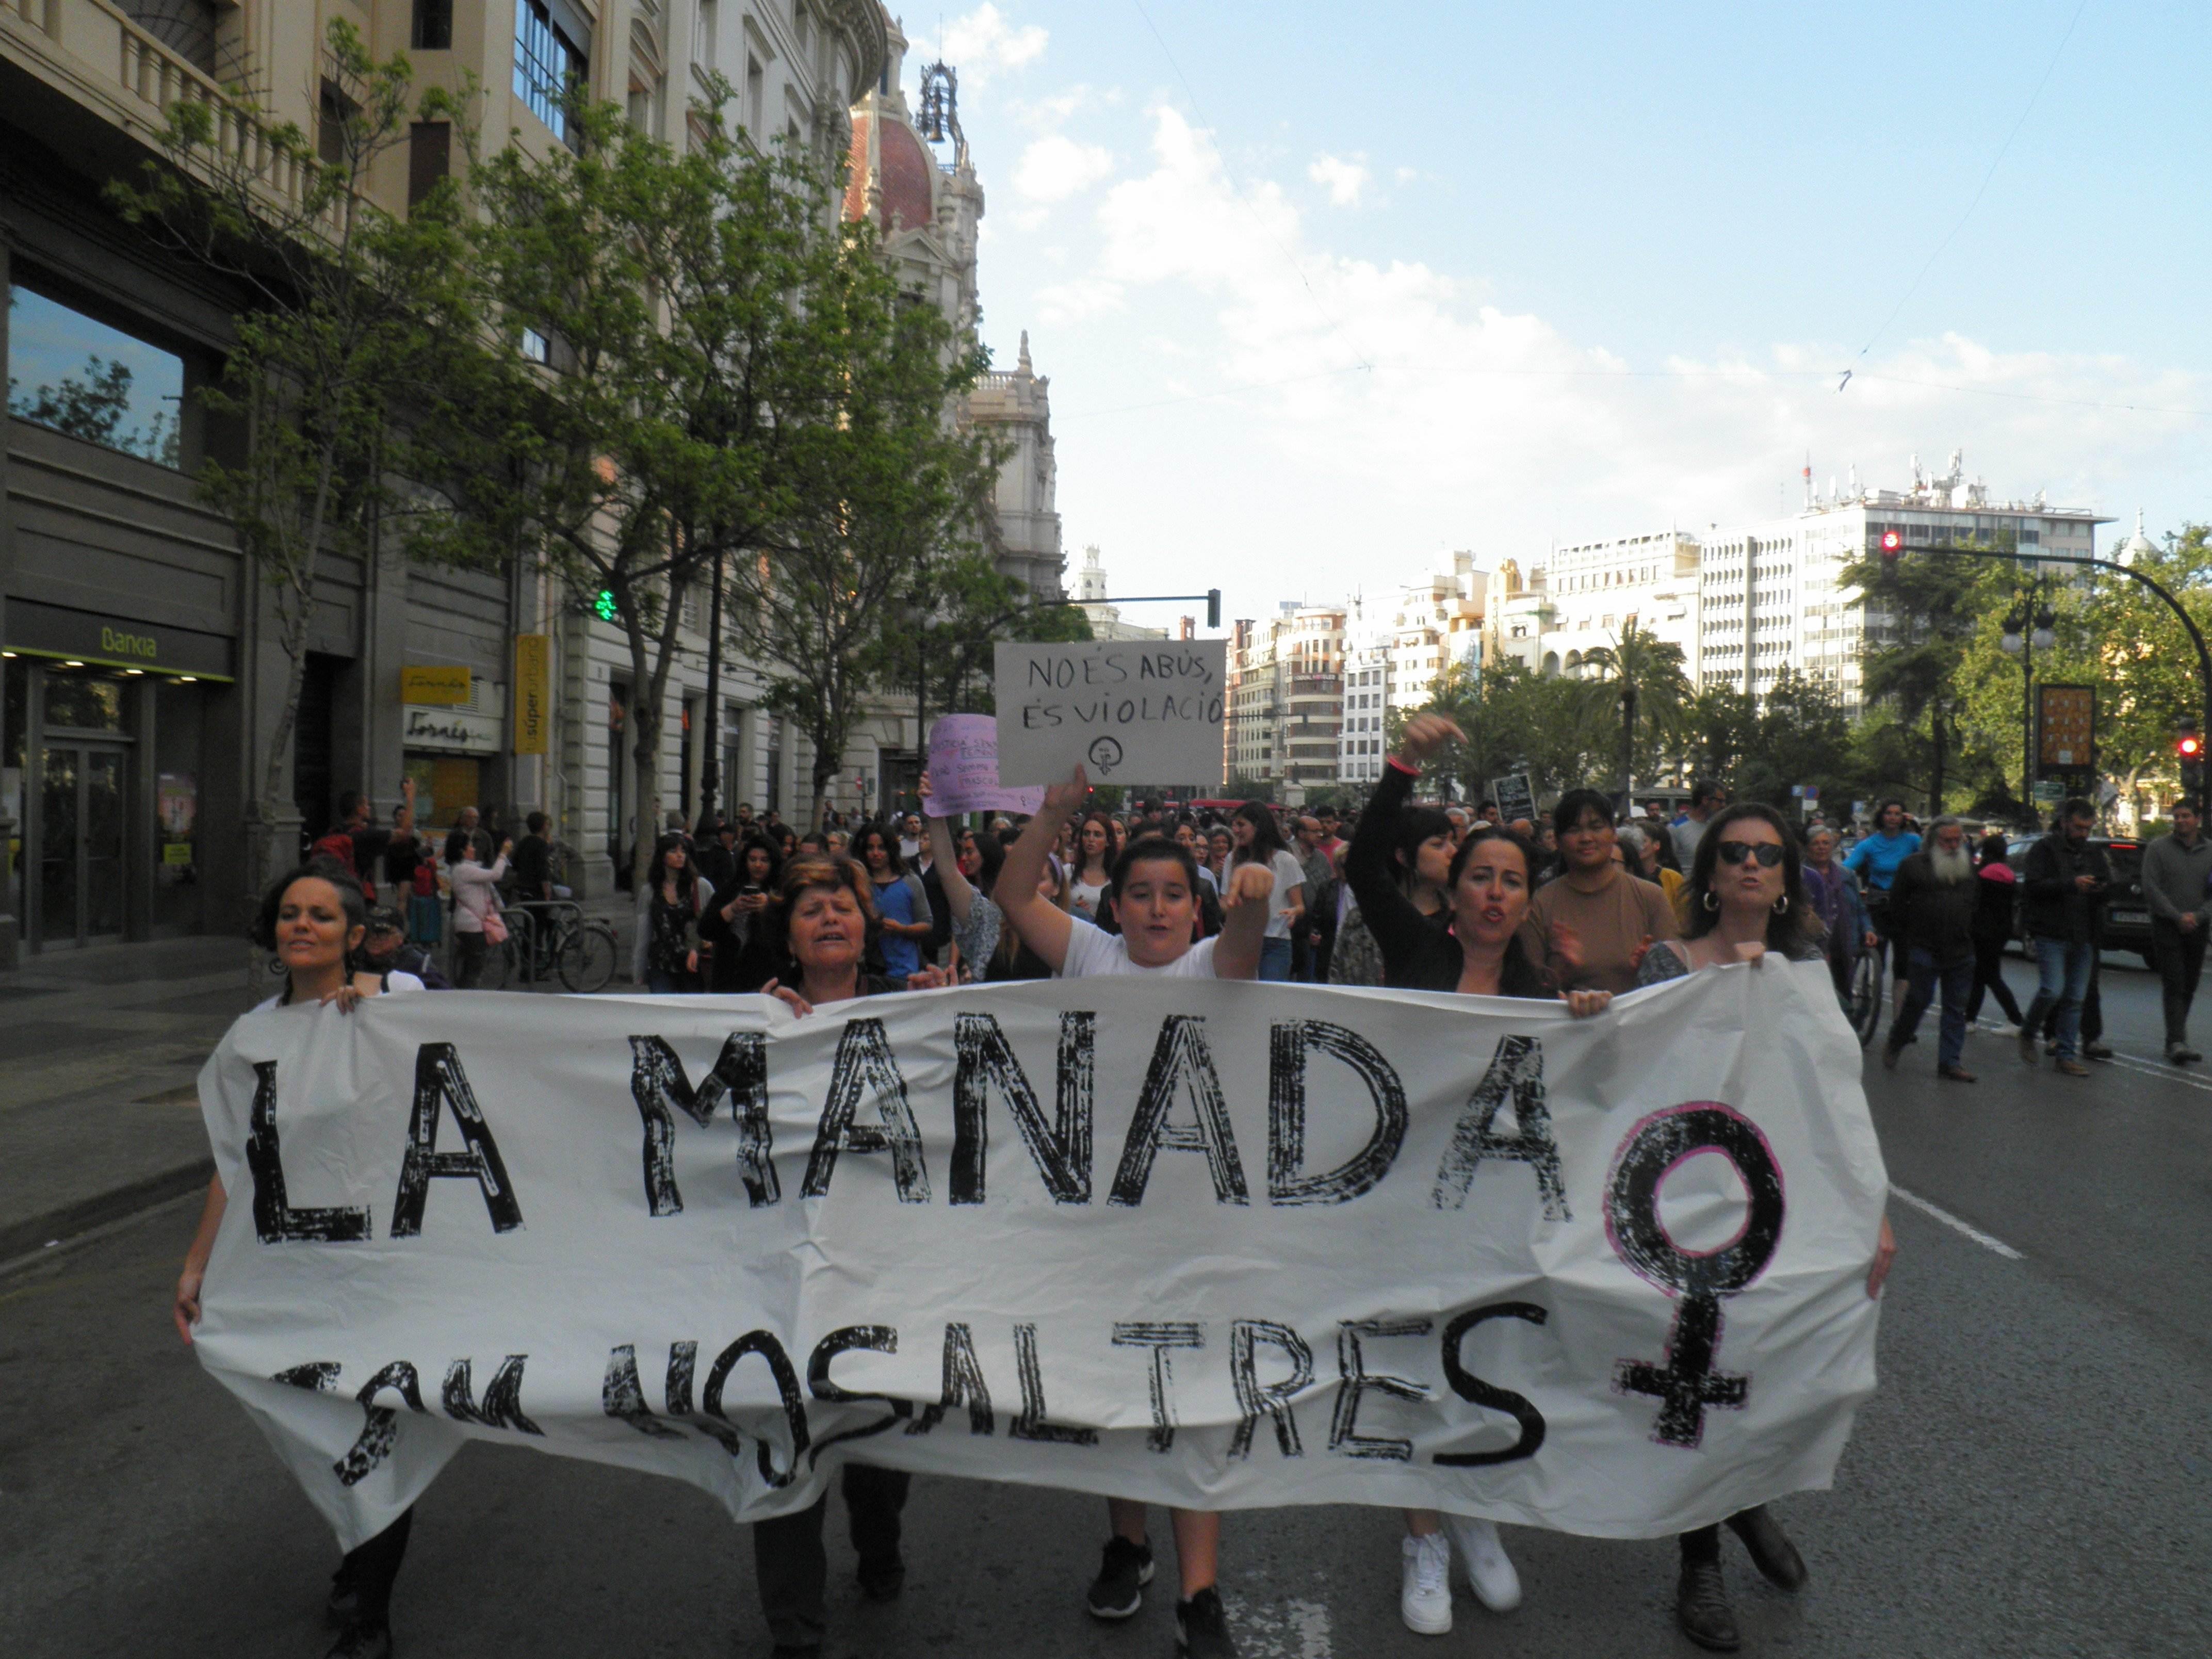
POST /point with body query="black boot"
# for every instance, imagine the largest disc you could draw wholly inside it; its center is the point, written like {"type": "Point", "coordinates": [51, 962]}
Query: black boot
{"type": "Point", "coordinates": [361, 1641]}
{"type": "Point", "coordinates": [1771, 1551]}
{"type": "Point", "coordinates": [1701, 1607]}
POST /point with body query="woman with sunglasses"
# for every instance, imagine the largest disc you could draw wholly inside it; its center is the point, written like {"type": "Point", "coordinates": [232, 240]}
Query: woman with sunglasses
{"type": "Point", "coordinates": [1746, 897]}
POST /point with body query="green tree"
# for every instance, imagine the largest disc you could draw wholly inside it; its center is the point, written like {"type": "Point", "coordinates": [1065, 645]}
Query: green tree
{"type": "Point", "coordinates": [1923, 611]}
{"type": "Point", "coordinates": [330, 340]}
{"type": "Point", "coordinates": [1799, 737]}
{"type": "Point", "coordinates": [1638, 680]}
{"type": "Point", "coordinates": [1515, 722]}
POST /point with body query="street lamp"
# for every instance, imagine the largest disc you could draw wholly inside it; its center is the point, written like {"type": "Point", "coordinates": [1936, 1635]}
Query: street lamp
{"type": "Point", "coordinates": [2018, 641]}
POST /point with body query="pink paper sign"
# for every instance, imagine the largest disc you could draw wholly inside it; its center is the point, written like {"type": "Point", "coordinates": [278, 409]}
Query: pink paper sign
{"type": "Point", "coordinates": [963, 769]}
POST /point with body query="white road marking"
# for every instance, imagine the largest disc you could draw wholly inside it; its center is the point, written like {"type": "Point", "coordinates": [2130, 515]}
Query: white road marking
{"type": "Point", "coordinates": [2142, 1063]}
{"type": "Point", "coordinates": [1940, 1215]}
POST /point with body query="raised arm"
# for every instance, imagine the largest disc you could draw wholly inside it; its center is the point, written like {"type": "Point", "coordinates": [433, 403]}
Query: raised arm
{"type": "Point", "coordinates": [1246, 908]}
{"type": "Point", "coordinates": [943, 858]}
{"type": "Point", "coordinates": [1043, 926]}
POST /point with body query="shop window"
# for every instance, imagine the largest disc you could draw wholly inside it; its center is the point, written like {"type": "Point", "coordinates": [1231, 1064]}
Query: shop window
{"type": "Point", "coordinates": [75, 375]}
{"type": "Point", "coordinates": [83, 702]}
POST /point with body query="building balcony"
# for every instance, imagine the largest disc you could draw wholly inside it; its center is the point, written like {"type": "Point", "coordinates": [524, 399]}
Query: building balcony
{"type": "Point", "coordinates": [103, 62]}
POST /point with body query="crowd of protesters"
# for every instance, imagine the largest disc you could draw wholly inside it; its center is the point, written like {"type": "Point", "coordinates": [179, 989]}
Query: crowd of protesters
{"type": "Point", "coordinates": [1585, 905]}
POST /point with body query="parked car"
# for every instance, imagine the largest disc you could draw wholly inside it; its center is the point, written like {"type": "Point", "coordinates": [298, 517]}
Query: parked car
{"type": "Point", "coordinates": [2127, 913]}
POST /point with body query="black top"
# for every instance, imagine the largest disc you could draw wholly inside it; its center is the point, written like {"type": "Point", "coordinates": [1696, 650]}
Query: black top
{"type": "Point", "coordinates": [740, 964]}
{"type": "Point", "coordinates": [1419, 953]}
{"type": "Point", "coordinates": [532, 866]}
{"type": "Point", "coordinates": [2056, 907]}
{"type": "Point", "coordinates": [1931, 915]}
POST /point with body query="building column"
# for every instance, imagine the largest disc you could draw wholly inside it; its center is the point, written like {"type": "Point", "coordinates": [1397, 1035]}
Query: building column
{"type": "Point", "coordinates": [11, 934]}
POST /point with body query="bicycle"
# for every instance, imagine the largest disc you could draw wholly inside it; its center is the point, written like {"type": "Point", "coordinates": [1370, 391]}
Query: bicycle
{"type": "Point", "coordinates": [550, 937]}
{"type": "Point", "coordinates": [1862, 1004]}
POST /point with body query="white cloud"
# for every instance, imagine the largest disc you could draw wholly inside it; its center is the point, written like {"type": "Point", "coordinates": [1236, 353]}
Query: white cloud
{"type": "Point", "coordinates": [1068, 302]}
{"type": "Point", "coordinates": [1386, 399]}
{"type": "Point", "coordinates": [983, 43]}
{"type": "Point", "coordinates": [1054, 168]}
{"type": "Point", "coordinates": [1342, 179]}
{"type": "Point", "coordinates": [1049, 114]}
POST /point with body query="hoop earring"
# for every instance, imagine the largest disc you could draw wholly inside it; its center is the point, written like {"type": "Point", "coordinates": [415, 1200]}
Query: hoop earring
{"type": "Point", "coordinates": [1711, 902]}
{"type": "Point", "coordinates": [1782, 905]}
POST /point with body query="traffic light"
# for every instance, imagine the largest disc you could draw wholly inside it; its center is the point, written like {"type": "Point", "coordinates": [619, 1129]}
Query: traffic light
{"type": "Point", "coordinates": [1892, 543]}
{"type": "Point", "coordinates": [604, 607]}
{"type": "Point", "coordinates": [1214, 607]}
{"type": "Point", "coordinates": [2189, 749]}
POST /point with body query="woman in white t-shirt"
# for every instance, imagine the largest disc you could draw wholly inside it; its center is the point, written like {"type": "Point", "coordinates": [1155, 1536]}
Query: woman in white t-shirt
{"type": "Point", "coordinates": [1155, 888]}
{"type": "Point", "coordinates": [1259, 846]}
{"type": "Point", "coordinates": [313, 921]}
{"type": "Point", "coordinates": [1093, 866]}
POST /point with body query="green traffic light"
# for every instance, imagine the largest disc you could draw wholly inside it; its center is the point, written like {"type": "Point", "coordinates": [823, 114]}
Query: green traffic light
{"type": "Point", "coordinates": [604, 607]}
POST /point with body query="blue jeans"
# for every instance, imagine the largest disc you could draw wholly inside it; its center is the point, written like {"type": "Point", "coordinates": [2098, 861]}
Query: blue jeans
{"type": "Point", "coordinates": [1275, 958]}
{"type": "Point", "coordinates": [2063, 965]}
{"type": "Point", "coordinates": [1924, 973]}
{"type": "Point", "coordinates": [662, 984]}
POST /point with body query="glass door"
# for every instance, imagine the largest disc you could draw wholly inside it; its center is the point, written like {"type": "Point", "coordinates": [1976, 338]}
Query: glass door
{"type": "Point", "coordinates": [80, 844]}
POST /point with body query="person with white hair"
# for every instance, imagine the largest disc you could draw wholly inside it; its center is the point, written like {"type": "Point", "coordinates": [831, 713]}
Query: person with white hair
{"type": "Point", "coordinates": [1933, 898]}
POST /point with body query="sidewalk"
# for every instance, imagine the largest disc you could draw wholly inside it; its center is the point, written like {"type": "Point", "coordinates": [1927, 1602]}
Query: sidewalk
{"type": "Point", "coordinates": [99, 1051]}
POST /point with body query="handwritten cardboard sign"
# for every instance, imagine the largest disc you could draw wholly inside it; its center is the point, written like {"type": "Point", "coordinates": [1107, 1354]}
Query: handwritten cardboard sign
{"type": "Point", "coordinates": [963, 770]}
{"type": "Point", "coordinates": [1515, 798]}
{"type": "Point", "coordinates": [1129, 711]}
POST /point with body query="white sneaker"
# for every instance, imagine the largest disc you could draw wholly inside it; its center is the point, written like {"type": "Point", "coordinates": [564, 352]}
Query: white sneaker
{"type": "Point", "coordinates": [1489, 1569]}
{"type": "Point", "coordinates": [1424, 1601]}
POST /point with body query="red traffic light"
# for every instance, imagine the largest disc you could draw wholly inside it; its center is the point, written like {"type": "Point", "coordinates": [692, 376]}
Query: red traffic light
{"type": "Point", "coordinates": [1891, 540]}
{"type": "Point", "coordinates": [2189, 746]}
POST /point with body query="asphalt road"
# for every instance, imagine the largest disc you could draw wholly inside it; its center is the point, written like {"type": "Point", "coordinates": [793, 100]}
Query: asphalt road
{"type": "Point", "coordinates": [2035, 1477]}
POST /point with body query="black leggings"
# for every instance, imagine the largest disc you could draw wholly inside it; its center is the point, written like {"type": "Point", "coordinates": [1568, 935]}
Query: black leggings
{"type": "Point", "coordinates": [370, 1569]}
{"type": "Point", "coordinates": [1988, 976]}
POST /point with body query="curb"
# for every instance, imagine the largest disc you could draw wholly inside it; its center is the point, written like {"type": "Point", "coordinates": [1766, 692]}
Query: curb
{"type": "Point", "coordinates": [25, 1238]}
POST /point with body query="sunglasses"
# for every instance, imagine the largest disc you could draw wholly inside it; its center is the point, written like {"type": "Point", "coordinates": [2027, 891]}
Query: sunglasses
{"type": "Point", "coordinates": [1735, 851]}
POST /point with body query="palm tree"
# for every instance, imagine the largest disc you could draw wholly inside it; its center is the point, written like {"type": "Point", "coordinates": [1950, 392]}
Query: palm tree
{"type": "Point", "coordinates": [1638, 672]}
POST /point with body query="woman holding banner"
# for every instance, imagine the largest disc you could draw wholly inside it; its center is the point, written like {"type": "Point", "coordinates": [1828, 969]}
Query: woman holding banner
{"type": "Point", "coordinates": [1155, 900]}
{"type": "Point", "coordinates": [314, 922]}
{"type": "Point", "coordinates": [1746, 897]}
{"type": "Point", "coordinates": [824, 904]}
{"type": "Point", "coordinates": [1471, 945]}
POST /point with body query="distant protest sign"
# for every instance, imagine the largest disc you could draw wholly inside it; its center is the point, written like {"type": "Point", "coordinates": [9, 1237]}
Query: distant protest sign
{"type": "Point", "coordinates": [1189, 1241]}
{"type": "Point", "coordinates": [963, 769]}
{"type": "Point", "coordinates": [1126, 711]}
{"type": "Point", "coordinates": [1515, 798]}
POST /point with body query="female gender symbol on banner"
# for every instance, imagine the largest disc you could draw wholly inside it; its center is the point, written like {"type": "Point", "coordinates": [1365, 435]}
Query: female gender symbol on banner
{"type": "Point", "coordinates": [1687, 1383]}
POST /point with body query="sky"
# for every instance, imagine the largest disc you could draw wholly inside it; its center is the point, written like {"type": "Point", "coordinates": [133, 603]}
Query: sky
{"type": "Point", "coordinates": [1324, 291]}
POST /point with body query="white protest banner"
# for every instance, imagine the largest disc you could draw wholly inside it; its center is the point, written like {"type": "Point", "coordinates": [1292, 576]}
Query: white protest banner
{"type": "Point", "coordinates": [1129, 711]}
{"type": "Point", "coordinates": [963, 769]}
{"type": "Point", "coordinates": [1213, 1244]}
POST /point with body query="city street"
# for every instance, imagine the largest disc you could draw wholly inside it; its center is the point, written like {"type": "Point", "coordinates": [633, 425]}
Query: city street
{"type": "Point", "coordinates": [2033, 1478]}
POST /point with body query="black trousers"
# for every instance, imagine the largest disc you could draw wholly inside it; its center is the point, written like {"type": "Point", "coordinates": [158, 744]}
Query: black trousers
{"type": "Point", "coordinates": [794, 1569]}
{"type": "Point", "coordinates": [370, 1570]}
{"type": "Point", "coordinates": [2180, 959]}
{"type": "Point", "coordinates": [1988, 976]}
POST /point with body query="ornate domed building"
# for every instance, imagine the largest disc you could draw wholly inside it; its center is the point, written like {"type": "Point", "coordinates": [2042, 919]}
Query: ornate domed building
{"type": "Point", "coordinates": [915, 180]}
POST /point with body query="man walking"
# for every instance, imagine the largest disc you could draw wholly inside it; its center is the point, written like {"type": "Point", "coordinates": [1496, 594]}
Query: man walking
{"type": "Point", "coordinates": [1706, 797]}
{"type": "Point", "coordinates": [1932, 900]}
{"type": "Point", "coordinates": [2175, 869]}
{"type": "Point", "coordinates": [2067, 880]}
